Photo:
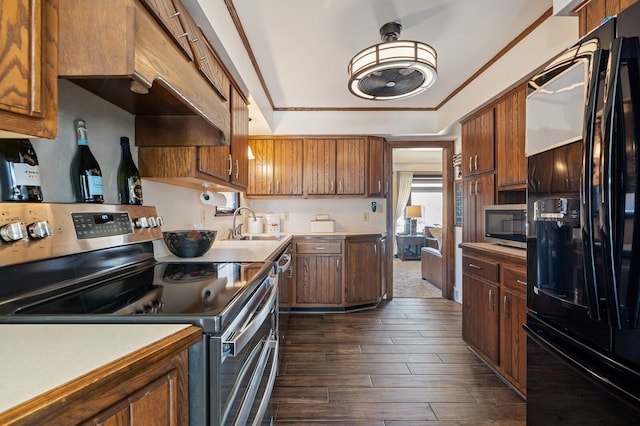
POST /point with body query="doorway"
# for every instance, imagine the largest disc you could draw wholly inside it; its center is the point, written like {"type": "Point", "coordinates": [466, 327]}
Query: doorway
{"type": "Point", "coordinates": [438, 172]}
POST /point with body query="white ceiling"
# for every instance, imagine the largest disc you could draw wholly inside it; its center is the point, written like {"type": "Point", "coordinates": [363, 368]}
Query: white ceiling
{"type": "Point", "coordinates": [302, 47]}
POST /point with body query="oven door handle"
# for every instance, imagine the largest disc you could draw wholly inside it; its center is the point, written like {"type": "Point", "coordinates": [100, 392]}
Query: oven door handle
{"type": "Point", "coordinates": [271, 345]}
{"type": "Point", "coordinates": [234, 342]}
{"type": "Point", "coordinates": [281, 268]}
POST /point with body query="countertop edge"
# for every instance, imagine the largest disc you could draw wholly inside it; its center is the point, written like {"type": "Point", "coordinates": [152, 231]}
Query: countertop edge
{"type": "Point", "coordinates": [496, 249]}
{"type": "Point", "coordinates": [120, 366]}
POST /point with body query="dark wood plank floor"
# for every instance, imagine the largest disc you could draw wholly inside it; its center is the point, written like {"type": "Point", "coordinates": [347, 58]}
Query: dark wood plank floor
{"type": "Point", "coordinates": [403, 363]}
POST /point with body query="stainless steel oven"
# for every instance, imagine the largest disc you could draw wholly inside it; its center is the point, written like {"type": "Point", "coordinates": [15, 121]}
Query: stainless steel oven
{"type": "Point", "coordinates": [70, 263]}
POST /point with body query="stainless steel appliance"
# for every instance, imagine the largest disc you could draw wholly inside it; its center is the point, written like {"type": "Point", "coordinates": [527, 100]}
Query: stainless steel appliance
{"type": "Point", "coordinates": [506, 225]}
{"type": "Point", "coordinates": [71, 263]}
{"type": "Point", "coordinates": [583, 279]}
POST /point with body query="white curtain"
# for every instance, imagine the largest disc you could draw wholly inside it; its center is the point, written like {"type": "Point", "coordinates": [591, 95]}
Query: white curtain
{"type": "Point", "coordinates": [404, 191]}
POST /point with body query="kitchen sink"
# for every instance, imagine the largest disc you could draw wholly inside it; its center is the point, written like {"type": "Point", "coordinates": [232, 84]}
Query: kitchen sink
{"type": "Point", "coordinates": [260, 238]}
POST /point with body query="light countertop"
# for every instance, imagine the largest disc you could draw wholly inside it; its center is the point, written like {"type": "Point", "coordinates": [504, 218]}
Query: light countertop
{"type": "Point", "coordinates": [35, 358]}
{"type": "Point", "coordinates": [237, 251]}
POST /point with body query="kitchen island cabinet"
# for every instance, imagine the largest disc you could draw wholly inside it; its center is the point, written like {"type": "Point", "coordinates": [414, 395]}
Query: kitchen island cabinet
{"type": "Point", "coordinates": [29, 68]}
{"type": "Point", "coordinates": [95, 373]}
{"type": "Point", "coordinates": [494, 307]}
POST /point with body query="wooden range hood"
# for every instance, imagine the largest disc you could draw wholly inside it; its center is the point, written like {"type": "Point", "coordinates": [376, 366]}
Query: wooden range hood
{"type": "Point", "coordinates": [111, 47]}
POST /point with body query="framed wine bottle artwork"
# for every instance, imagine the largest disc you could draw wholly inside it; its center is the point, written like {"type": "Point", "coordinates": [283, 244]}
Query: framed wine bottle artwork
{"type": "Point", "coordinates": [457, 212]}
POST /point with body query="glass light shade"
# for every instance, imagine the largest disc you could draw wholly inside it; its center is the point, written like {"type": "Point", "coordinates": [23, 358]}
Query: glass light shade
{"type": "Point", "coordinates": [414, 212]}
{"type": "Point", "coordinates": [411, 55]}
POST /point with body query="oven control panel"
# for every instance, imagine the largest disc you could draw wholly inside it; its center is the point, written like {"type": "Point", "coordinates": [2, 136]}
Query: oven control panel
{"type": "Point", "coordinates": [94, 225]}
{"type": "Point", "coordinates": [35, 231]}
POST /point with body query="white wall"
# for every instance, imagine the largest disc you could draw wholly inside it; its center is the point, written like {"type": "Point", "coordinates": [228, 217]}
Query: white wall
{"type": "Point", "coordinates": [105, 125]}
{"type": "Point", "coordinates": [348, 213]}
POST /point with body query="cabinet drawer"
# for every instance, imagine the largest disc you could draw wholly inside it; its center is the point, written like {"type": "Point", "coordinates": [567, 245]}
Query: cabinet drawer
{"type": "Point", "coordinates": [515, 279]}
{"type": "Point", "coordinates": [483, 268]}
{"type": "Point", "coordinates": [324, 247]}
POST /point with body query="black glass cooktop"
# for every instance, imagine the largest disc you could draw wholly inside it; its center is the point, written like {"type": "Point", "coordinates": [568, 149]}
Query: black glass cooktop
{"type": "Point", "coordinates": [164, 289]}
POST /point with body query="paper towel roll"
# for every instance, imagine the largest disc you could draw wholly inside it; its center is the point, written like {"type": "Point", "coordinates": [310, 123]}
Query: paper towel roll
{"type": "Point", "coordinates": [207, 197]}
{"type": "Point", "coordinates": [255, 226]}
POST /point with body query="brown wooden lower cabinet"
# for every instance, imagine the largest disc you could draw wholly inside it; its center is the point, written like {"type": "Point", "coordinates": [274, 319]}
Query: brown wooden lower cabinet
{"type": "Point", "coordinates": [337, 272]}
{"type": "Point", "coordinates": [363, 271]}
{"type": "Point", "coordinates": [318, 273]}
{"type": "Point", "coordinates": [494, 307]}
{"type": "Point", "coordinates": [148, 387]}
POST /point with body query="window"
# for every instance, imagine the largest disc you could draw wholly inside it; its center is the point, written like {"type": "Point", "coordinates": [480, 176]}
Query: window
{"type": "Point", "coordinates": [426, 191]}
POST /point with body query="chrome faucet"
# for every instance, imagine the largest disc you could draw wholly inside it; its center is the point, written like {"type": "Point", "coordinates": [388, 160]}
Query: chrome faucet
{"type": "Point", "coordinates": [235, 232]}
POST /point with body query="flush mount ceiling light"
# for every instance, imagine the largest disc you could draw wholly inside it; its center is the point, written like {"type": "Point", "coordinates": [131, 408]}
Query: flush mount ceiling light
{"type": "Point", "coordinates": [392, 69]}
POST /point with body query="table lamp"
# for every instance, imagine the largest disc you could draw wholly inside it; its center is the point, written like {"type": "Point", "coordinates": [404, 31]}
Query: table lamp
{"type": "Point", "coordinates": [413, 213]}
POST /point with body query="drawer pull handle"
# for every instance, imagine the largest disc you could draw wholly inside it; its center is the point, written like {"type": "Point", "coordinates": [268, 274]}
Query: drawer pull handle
{"type": "Point", "coordinates": [474, 266]}
{"type": "Point", "coordinates": [174, 15]}
{"type": "Point", "coordinates": [319, 248]}
{"type": "Point", "coordinates": [521, 282]}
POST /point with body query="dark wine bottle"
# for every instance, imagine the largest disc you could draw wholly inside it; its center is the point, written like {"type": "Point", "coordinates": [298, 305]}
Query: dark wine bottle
{"type": "Point", "coordinates": [129, 186]}
{"type": "Point", "coordinates": [19, 171]}
{"type": "Point", "coordinates": [85, 170]}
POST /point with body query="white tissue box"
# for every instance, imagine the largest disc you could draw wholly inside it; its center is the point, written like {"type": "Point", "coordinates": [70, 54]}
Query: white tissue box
{"type": "Point", "coordinates": [323, 225]}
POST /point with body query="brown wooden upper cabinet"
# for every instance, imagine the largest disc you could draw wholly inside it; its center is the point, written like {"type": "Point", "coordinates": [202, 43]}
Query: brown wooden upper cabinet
{"type": "Point", "coordinates": [172, 19]}
{"type": "Point", "coordinates": [376, 184]}
{"type": "Point", "coordinates": [592, 12]}
{"type": "Point", "coordinates": [478, 143]}
{"type": "Point", "coordinates": [511, 163]}
{"type": "Point", "coordinates": [205, 57]}
{"type": "Point", "coordinates": [276, 168]}
{"type": "Point", "coordinates": [230, 163]}
{"type": "Point", "coordinates": [335, 166]}
{"type": "Point", "coordinates": [29, 68]}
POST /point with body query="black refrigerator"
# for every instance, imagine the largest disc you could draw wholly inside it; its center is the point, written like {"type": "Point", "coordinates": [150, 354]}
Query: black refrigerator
{"type": "Point", "coordinates": [583, 231]}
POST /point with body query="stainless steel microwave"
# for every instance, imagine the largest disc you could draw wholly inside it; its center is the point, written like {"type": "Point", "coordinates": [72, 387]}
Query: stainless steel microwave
{"type": "Point", "coordinates": [506, 224]}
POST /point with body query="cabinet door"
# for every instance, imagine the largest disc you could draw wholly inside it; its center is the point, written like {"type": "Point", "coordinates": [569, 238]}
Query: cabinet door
{"type": "Point", "coordinates": [174, 22]}
{"type": "Point", "coordinates": [484, 196]}
{"type": "Point", "coordinates": [513, 340]}
{"type": "Point", "coordinates": [152, 401]}
{"type": "Point", "coordinates": [351, 161]}
{"type": "Point", "coordinates": [375, 181]}
{"type": "Point", "coordinates": [362, 282]}
{"type": "Point", "coordinates": [478, 191]}
{"type": "Point", "coordinates": [261, 167]}
{"type": "Point", "coordinates": [318, 280]}
{"type": "Point", "coordinates": [319, 166]}
{"type": "Point", "coordinates": [239, 140]}
{"type": "Point", "coordinates": [472, 311]}
{"type": "Point", "coordinates": [287, 166]}
{"type": "Point", "coordinates": [511, 164]}
{"type": "Point", "coordinates": [216, 161]}
{"type": "Point", "coordinates": [491, 322]}
{"type": "Point", "coordinates": [29, 67]}
{"type": "Point", "coordinates": [478, 143]}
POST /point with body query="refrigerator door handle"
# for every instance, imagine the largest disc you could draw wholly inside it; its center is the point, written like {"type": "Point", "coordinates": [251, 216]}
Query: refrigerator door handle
{"type": "Point", "coordinates": [608, 151]}
{"type": "Point", "coordinates": [622, 313]}
{"type": "Point", "coordinates": [587, 188]}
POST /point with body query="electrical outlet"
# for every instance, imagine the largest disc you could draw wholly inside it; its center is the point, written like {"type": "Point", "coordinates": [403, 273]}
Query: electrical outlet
{"type": "Point", "coordinates": [285, 216]}
{"type": "Point", "coordinates": [365, 216]}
